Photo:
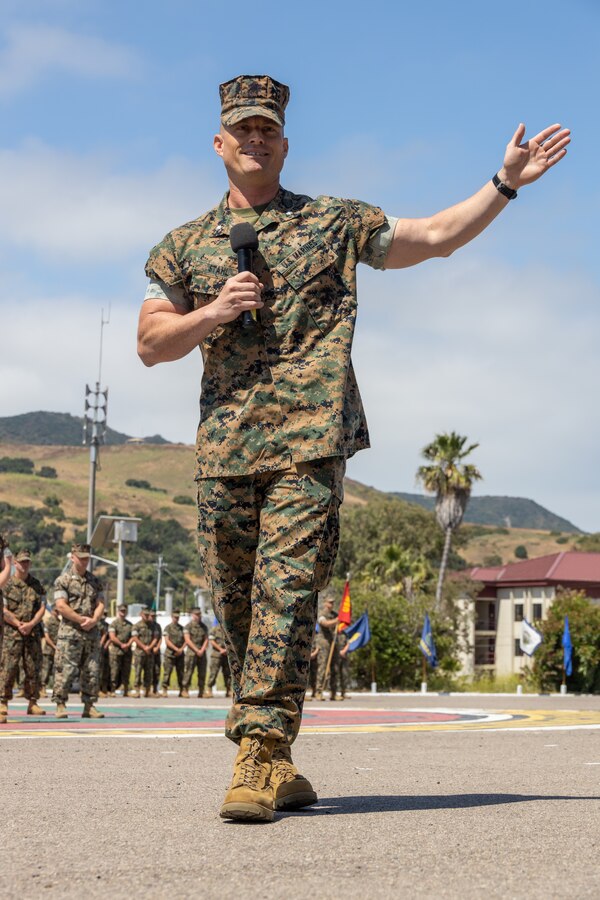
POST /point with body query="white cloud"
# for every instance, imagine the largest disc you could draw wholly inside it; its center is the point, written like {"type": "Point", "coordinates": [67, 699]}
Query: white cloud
{"type": "Point", "coordinates": [33, 51]}
{"type": "Point", "coordinates": [69, 207]}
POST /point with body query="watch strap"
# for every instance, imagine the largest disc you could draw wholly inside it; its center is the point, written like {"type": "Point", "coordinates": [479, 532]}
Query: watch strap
{"type": "Point", "coordinates": [504, 189]}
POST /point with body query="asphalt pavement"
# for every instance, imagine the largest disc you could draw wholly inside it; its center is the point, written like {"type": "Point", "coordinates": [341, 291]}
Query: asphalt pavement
{"type": "Point", "coordinates": [465, 814]}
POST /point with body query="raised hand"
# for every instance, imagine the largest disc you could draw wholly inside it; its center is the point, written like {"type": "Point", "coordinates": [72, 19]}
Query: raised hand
{"type": "Point", "coordinates": [525, 162]}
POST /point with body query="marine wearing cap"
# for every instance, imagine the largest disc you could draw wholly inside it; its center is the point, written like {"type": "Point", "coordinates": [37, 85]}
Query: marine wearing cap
{"type": "Point", "coordinates": [81, 550]}
{"type": "Point", "coordinates": [23, 556]}
{"type": "Point", "coordinates": [253, 95]}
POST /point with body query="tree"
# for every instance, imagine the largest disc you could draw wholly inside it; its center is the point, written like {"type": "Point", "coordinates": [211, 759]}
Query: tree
{"type": "Point", "coordinates": [584, 625]}
{"type": "Point", "coordinates": [451, 481]}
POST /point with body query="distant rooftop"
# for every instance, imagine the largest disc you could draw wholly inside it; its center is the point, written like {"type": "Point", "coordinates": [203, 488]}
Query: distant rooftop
{"type": "Point", "coordinates": [558, 568]}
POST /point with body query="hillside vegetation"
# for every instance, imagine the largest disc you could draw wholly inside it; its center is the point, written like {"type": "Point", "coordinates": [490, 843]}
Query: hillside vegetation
{"type": "Point", "coordinates": [61, 429]}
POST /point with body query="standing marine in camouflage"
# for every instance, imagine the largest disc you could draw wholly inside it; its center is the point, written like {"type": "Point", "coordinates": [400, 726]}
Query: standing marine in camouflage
{"type": "Point", "coordinates": [5, 567]}
{"type": "Point", "coordinates": [174, 653]}
{"type": "Point", "coordinates": [119, 651]}
{"type": "Point", "coordinates": [157, 660]}
{"type": "Point", "coordinates": [143, 654]}
{"type": "Point", "coordinates": [314, 667]}
{"type": "Point", "coordinates": [51, 623]}
{"type": "Point", "coordinates": [24, 609]}
{"type": "Point", "coordinates": [105, 690]}
{"type": "Point", "coordinates": [280, 406]}
{"type": "Point", "coordinates": [218, 661]}
{"type": "Point", "coordinates": [343, 664]}
{"type": "Point", "coordinates": [328, 659]}
{"type": "Point", "coordinates": [195, 634]}
{"type": "Point", "coordinates": [79, 599]}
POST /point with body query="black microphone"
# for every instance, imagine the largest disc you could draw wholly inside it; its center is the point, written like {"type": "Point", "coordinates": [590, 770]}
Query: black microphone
{"type": "Point", "coordinates": [244, 240]}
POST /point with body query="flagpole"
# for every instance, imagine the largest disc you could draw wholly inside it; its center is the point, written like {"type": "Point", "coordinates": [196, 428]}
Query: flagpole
{"type": "Point", "coordinates": [424, 677]}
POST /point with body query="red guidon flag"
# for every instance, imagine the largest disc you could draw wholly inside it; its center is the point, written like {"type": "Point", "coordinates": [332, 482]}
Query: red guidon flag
{"type": "Point", "coordinates": [345, 613]}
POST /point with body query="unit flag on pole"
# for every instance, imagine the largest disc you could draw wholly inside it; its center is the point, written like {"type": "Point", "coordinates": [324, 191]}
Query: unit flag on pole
{"type": "Point", "coordinates": [567, 648]}
{"type": "Point", "coordinates": [530, 638]}
{"type": "Point", "coordinates": [426, 644]}
{"type": "Point", "coordinates": [345, 612]}
{"type": "Point", "coordinates": [358, 634]}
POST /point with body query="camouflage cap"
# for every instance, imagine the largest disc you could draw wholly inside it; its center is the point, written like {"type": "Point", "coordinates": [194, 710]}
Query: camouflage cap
{"type": "Point", "coordinates": [253, 95]}
{"type": "Point", "coordinates": [23, 556]}
{"type": "Point", "coordinates": [145, 609]}
{"type": "Point", "coordinates": [176, 612]}
{"type": "Point", "coordinates": [122, 607]}
{"type": "Point", "coordinates": [196, 609]}
{"type": "Point", "coordinates": [81, 549]}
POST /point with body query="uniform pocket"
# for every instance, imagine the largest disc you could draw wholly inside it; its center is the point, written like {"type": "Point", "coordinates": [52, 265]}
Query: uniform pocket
{"type": "Point", "coordinates": [313, 273]}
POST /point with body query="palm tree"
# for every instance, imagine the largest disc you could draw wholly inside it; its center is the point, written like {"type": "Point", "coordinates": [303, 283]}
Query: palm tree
{"type": "Point", "coordinates": [451, 481]}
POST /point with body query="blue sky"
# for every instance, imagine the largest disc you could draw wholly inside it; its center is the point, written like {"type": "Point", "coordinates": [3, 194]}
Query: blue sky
{"type": "Point", "coordinates": [109, 110]}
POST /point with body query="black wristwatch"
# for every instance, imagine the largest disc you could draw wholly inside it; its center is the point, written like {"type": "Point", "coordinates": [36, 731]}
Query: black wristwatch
{"type": "Point", "coordinates": [504, 189]}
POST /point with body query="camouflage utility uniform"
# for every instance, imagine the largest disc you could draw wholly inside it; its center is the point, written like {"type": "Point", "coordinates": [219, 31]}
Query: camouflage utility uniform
{"type": "Point", "coordinates": [143, 663]}
{"type": "Point", "coordinates": [218, 661]}
{"type": "Point", "coordinates": [174, 632]}
{"type": "Point", "coordinates": [120, 660]}
{"type": "Point", "coordinates": [280, 413]}
{"type": "Point", "coordinates": [77, 650]}
{"type": "Point", "coordinates": [198, 633]}
{"type": "Point", "coordinates": [157, 655]}
{"type": "Point", "coordinates": [23, 599]}
{"type": "Point", "coordinates": [104, 657]}
{"type": "Point", "coordinates": [51, 626]}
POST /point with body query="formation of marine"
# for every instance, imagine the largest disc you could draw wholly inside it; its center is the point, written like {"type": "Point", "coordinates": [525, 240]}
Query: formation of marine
{"type": "Point", "coordinates": [50, 643]}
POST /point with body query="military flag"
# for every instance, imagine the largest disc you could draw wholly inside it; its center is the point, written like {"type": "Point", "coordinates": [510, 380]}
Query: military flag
{"type": "Point", "coordinates": [567, 648]}
{"type": "Point", "coordinates": [530, 638]}
{"type": "Point", "coordinates": [427, 645]}
{"type": "Point", "coordinates": [345, 613]}
{"type": "Point", "coordinates": [358, 634]}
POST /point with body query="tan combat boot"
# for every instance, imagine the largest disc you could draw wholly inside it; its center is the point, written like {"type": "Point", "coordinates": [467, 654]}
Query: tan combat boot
{"type": "Point", "coordinates": [3, 712]}
{"type": "Point", "coordinates": [164, 693]}
{"type": "Point", "coordinates": [319, 695]}
{"type": "Point", "coordinates": [34, 710]}
{"type": "Point", "coordinates": [61, 711]}
{"type": "Point", "coordinates": [291, 790]}
{"type": "Point", "coordinates": [90, 712]}
{"type": "Point", "coordinates": [185, 693]}
{"type": "Point", "coordinates": [250, 795]}
{"type": "Point", "coordinates": [135, 693]}
{"type": "Point", "coordinates": [206, 693]}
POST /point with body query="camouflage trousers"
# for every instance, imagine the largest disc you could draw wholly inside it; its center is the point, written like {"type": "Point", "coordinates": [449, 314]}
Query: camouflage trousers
{"type": "Point", "coordinates": [332, 676]}
{"type": "Point", "coordinates": [16, 651]}
{"type": "Point", "coordinates": [268, 543]}
{"type": "Point", "coordinates": [156, 667]}
{"type": "Point", "coordinates": [76, 652]}
{"type": "Point", "coordinates": [143, 670]}
{"type": "Point", "coordinates": [104, 670]}
{"type": "Point", "coordinates": [120, 668]}
{"type": "Point", "coordinates": [219, 662]}
{"type": "Point", "coordinates": [47, 667]}
{"type": "Point", "coordinates": [193, 663]}
{"type": "Point", "coordinates": [170, 663]}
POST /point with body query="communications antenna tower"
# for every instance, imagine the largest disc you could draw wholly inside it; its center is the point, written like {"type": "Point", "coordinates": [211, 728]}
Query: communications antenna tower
{"type": "Point", "coordinates": [94, 427]}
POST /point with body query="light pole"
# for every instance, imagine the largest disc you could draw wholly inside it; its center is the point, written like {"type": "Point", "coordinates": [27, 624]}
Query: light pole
{"type": "Point", "coordinates": [94, 429]}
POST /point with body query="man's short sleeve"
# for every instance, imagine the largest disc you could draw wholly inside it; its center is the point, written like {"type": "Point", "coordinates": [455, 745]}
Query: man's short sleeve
{"type": "Point", "coordinates": [365, 221]}
{"type": "Point", "coordinates": [376, 248]}
{"type": "Point", "coordinates": [60, 588]}
{"type": "Point", "coordinates": [163, 265]}
{"type": "Point", "coordinates": [158, 290]}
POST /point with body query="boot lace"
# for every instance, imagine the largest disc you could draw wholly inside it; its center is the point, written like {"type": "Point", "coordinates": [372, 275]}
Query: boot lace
{"type": "Point", "coordinates": [283, 767]}
{"type": "Point", "coordinates": [250, 768]}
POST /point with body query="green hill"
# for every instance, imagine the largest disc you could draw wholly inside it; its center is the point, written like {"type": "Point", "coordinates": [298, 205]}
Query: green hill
{"type": "Point", "coordinates": [59, 429]}
{"type": "Point", "coordinates": [507, 512]}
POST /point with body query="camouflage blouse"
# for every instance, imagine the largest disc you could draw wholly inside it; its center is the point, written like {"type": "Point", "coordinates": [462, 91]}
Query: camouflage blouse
{"type": "Point", "coordinates": [282, 389]}
{"type": "Point", "coordinates": [23, 599]}
{"type": "Point", "coordinates": [83, 593]}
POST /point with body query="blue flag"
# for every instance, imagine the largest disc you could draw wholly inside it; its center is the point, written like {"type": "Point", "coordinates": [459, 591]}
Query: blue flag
{"type": "Point", "coordinates": [567, 649]}
{"type": "Point", "coordinates": [426, 645]}
{"type": "Point", "coordinates": [358, 634]}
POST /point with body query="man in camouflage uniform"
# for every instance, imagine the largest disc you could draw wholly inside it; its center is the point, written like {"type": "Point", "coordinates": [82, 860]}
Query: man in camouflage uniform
{"type": "Point", "coordinates": [195, 634]}
{"type": "Point", "coordinates": [343, 664]}
{"type": "Point", "coordinates": [174, 653]}
{"type": "Point", "coordinates": [143, 654]}
{"type": "Point", "coordinates": [280, 407]}
{"type": "Point", "coordinates": [328, 659]}
{"type": "Point", "coordinates": [218, 661]}
{"type": "Point", "coordinates": [79, 599]}
{"type": "Point", "coordinates": [314, 667]}
{"type": "Point", "coordinates": [24, 608]}
{"type": "Point", "coordinates": [5, 566]}
{"type": "Point", "coordinates": [157, 660]}
{"type": "Point", "coordinates": [119, 651]}
{"type": "Point", "coordinates": [105, 690]}
{"type": "Point", "coordinates": [51, 623]}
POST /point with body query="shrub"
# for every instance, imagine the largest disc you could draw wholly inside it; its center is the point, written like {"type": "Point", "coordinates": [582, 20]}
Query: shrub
{"type": "Point", "coordinates": [184, 500]}
{"type": "Point", "coordinates": [521, 552]}
{"type": "Point", "coordinates": [20, 464]}
{"type": "Point", "coordinates": [47, 472]}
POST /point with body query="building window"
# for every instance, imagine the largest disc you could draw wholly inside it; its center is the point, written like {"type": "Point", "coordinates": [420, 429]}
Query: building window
{"type": "Point", "coordinates": [518, 651]}
{"type": "Point", "coordinates": [537, 610]}
{"type": "Point", "coordinates": [485, 651]}
{"type": "Point", "coordinates": [518, 612]}
{"type": "Point", "coordinates": [486, 616]}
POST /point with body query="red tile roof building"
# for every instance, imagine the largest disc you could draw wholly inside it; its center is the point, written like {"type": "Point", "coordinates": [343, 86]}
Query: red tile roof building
{"type": "Point", "coordinates": [517, 591]}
